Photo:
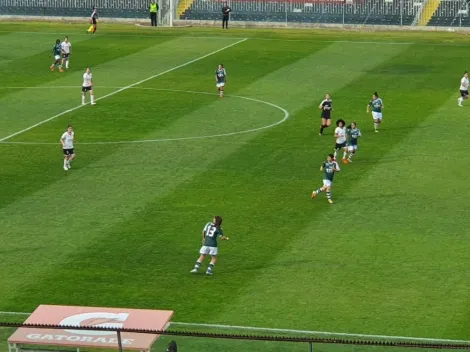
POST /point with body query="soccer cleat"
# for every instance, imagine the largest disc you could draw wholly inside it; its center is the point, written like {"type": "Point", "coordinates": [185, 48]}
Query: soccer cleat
{"type": "Point", "coordinates": [208, 272]}
{"type": "Point", "coordinates": [330, 201]}
{"type": "Point", "coordinates": [349, 161]}
{"type": "Point", "coordinates": [93, 103]}
{"type": "Point", "coordinates": [61, 70]}
{"type": "Point", "coordinates": [52, 68]}
{"type": "Point", "coordinates": [460, 105]}
{"type": "Point", "coordinates": [314, 194]}
{"type": "Point", "coordinates": [377, 131]}
{"type": "Point", "coordinates": [193, 271]}
{"type": "Point", "coordinates": [66, 168]}
{"type": "Point", "coordinates": [345, 161]}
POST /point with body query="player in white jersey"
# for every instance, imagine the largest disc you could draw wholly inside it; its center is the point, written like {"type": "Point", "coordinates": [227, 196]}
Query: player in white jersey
{"type": "Point", "coordinates": [67, 140]}
{"type": "Point", "coordinates": [87, 86]}
{"type": "Point", "coordinates": [340, 135]}
{"type": "Point", "coordinates": [66, 51]}
{"type": "Point", "coordinates": [463, 88]}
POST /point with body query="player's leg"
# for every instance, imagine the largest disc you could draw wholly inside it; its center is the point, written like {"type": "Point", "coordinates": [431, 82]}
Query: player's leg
{"type": "Point", "coordinates": [83, 95]}
{"type": "Point", "coordinates": [337, 149]}
{"type": "Point", "coordinates": [71, 158]}
{"type": "Point", "coordinates": [345, 154]}
{"type": "Point", "coordinates": [352, 150]}
{"type": "Point", "coordinates": [322, 126]}
{"type": "Point", "coordinates": [203, 252]}
{"type": "Point", "coordinates": [318, 191]}
{"type": "Point", "coordinates": [67, 60]}
{"type": "Point", "coordinates": [221, 90]}
{"type": "Point", "coordinates": [66, 159]}
{"type": "Point", "coordinates": [211, 264]}
{"type": "Point", "coordinates": [328, 193]}
{"type": "Point", "coordinates": [92, 97]}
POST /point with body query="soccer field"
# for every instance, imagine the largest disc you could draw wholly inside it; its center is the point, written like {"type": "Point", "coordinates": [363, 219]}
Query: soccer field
{"type": "Point", "coordinates": [160, 154]}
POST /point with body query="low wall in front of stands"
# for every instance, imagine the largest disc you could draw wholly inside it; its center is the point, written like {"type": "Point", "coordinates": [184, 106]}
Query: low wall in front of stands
{"type": "Point", "coordinates": [143, 23]}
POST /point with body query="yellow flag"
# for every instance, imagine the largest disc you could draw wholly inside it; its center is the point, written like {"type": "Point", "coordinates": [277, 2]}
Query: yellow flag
{"type": "Point", "coordinates": [90, 29]}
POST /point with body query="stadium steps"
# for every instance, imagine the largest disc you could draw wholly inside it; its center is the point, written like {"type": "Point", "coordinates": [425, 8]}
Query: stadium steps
{"type": "Point", "coordinates": [183, 6]}
{"type": "Point", "coordinates": [428, 11]}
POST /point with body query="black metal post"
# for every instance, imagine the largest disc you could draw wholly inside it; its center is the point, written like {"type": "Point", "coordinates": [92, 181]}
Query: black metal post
{"type": "Point", "coordinates": [310, 347]}
{"type": "Point", "coordinates": [119, 341]}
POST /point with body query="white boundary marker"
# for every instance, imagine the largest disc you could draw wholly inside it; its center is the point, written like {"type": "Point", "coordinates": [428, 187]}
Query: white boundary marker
{"type": "Point", "coordinates": [123, 89]}
{"type": "Point", "coordinates": [111, 34]}
{"type": "Point", "coordinates": [306, 332]}
{"type": "Point", "coordinates": [284, 119]}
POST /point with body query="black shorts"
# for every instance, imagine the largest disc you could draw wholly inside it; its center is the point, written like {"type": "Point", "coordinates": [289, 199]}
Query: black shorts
{"type": "Point", "coordinates": [464, 93]}
{"type": "Point", "coordinates": [93, 20]}
{"type": "Point", "coordinates": [326, 115]}
{"type": "Point", "coordinates": [68, 151]}
{"type": "Point", "coordinates": [86, 89]}
{"type": "Point", "coordinates": [340, 146]}
{"type": "Point", "coordinates": [65, 56]}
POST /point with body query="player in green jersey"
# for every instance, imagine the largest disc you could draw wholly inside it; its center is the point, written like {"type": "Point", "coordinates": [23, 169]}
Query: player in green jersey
{"type": "Point", "coordinates": [210, 234]}
{"type": "Point", "coordinates": [329, 168]}
{"type": "Point", "coordinates": [354, 133]}
{"type": "Point", "coordinates": [57, 53]}
{"type": "Point", "coordinates": [377, 105]}
{"type": "Point", "coordinates": [221, 79]}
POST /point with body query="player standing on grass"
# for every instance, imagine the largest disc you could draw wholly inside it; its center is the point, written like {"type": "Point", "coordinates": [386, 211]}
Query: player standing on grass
{"type": "Point", "coordinates": [67, 140]}
{"type": "Point", "coordinates": [221, 79]}
{"type": "Point", "coordinates": [66, 51]}
{"type": "Point", "coordinates": [211, 232]}
{"type": "Point", "coordinates": [329, 168]}
{"type": "Point", "coordinates": [326, 106]}
{"type": "Point", "coordinates": [354, 134]}
{"type": "Point", "coordinates": [340, 135]}
{"type": "Point", "coordinates": [87, 86]}
{"type": "Point", "coordinates": [377, 105]}
{"type": "Point", "coordinates": [463, 88]}
{"type": "Point", "coordinates": [57, 53]}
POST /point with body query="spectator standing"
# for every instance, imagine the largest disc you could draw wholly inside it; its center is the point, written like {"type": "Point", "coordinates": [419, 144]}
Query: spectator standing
{"type": "Point", "coordinates": [153, 8]}
{"type": "Point", "coordinates": [225, 15]}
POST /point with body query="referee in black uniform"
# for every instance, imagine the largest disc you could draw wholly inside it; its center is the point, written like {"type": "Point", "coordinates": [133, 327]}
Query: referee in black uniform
{"type": "Point", "coordinates": [225, 15]}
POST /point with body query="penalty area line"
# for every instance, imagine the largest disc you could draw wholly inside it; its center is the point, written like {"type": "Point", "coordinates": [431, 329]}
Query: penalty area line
{"type": "Point", "coordinates": [122, 89]}
{"type": "Point", "coordinates": [307, 332]}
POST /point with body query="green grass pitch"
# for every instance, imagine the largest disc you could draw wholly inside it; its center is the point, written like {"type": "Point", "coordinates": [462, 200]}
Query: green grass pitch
{"type": "Point", "coordinates": [122, 228]}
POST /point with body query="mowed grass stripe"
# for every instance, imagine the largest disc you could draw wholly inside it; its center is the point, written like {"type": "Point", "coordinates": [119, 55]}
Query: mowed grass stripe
{"type": "Point", "coordinates": [173, 219]}
{"type": "Point", "coordinates": [344, 271]}
{"type": "Point", "coordinates": [145, 172]}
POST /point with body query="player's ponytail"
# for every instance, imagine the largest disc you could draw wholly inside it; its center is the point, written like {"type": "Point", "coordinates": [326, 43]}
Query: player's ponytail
{"type": "Point", "coordinates": [376, 94]}
{"type": "Point", "coordinates": [218, 221]}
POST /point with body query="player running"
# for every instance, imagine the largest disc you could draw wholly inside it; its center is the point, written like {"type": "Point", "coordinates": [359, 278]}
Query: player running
{"type": "Point", "coordinates": [329, 168]}
{"type": "Point", "coordinates": [340, 135]}
{"type": "Point", "coordinates": [221, 79]}
{"type": "Point", "coordinates": [463, 88]}
{"type": "Point", "coordinates": [93, 20]}
{"type": "Point", "coordinates": [57, 53]}
{"type": "Point", "coordinates": [67, 140]}
{"type": "Point", "coordinates": [326, 106]}
{"type": "Point", "coordinates": [354, 133]}
{"type": "Point", "coordinates": [66, 51]}
{"type": "Point", "coordinates": [87, 86]}
{"type": "Point", "coordinates": [377, 106]}
{"type": "Point", "coordinates": [211, 232]}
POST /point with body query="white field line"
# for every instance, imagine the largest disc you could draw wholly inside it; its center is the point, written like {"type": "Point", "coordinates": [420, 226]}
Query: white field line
{"type": "Point", "coordinates": [307, 332]}
{"type": "Point", "coordinates": [424, 43]}
{"type": "Point", "coordinates": [123, 89]}
{"type": "Point", "coordinates": [228, 134]}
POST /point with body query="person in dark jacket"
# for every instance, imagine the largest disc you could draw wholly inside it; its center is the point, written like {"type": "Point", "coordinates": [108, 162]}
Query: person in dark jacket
{"type": "Point", "coordinates": [172, 347]}
{"type": "Point", "coordinates": [225, 15]}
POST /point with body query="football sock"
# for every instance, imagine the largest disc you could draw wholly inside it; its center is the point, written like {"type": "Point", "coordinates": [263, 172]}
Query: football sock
{"type": "Point", "coordinates": [335, 154]}
{"type": "Point", "coordinates": [351, 155]}
{"type": "Point", "coordinates": [376, 126]}
{"type": "Point", "coordinates": [328, 195]}
{"type": "Point", "coordinates": [209, 269]}
{"type": "Point", "coordinates": [321, 129]}
{"type": "Point", "coordinates": [83, 99]}
{"type": "Point", "coordinates": [460, 100]}
{"type": "Point", "coordinates": [92, 98]}
{"type": "Point", "coordinates": [197, 265]}
{"type": "Point", "coordinates": [345, 154]}
{"type": "Point", "coordinates": [65, 162]}
{"type": "Point", "coordinates": [318, 191]}
{"type": "Point", "coordinates": [67, 64]}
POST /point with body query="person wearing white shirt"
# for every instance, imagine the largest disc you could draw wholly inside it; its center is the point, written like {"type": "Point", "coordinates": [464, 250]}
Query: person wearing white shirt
{"type": "Point", "coordinates": [463, 88]}
{"type": "Point", "coordinates": [67, 139]}
{"type": "Point", "coordinates": [340, 135]}
{"type": "Point", "coordinates": [66, 51]}
{"type": "Point", "coordinates": [87, 86]}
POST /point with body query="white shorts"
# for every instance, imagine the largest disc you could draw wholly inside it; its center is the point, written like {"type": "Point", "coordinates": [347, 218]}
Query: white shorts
{"type": "Point", "coordinates": [218, 85]}
{"type": "Point", "coordinates": [352, 147]}
{"type": "Point", "coordinates": [376, 115]}
{"type": "Point", "coordinates": [208, 250]}
{"type": "Point", "coordinates": [57, 57]}
{"type": "Point", "coordinates": [327, 183]}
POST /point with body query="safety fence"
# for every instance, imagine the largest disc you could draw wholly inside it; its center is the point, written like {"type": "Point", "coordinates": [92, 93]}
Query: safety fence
{"type": "Point", "coordinates": [21, 337]}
